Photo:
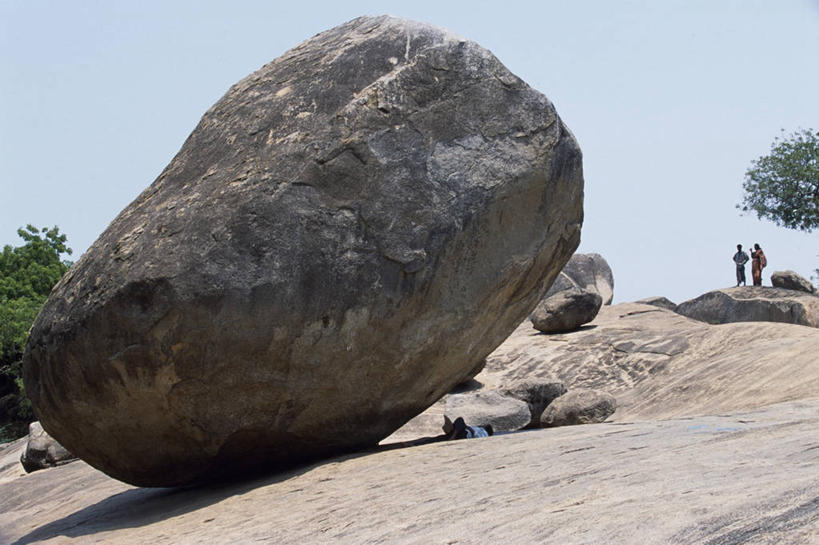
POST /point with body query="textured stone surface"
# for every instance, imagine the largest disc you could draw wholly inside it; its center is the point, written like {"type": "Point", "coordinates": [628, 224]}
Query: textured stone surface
{"type": "Point", "coordinates": [589, 272]}
{"type": "Point", "coordinates": [472, 373]}
{"type": "Point", "coordinates": [42, 451]}
{"type": "Point", "coordinates": [753, 304]}
{"type": "Point", "coordinates": [656, 363]}
{"type": "Point", "coordinates": [580, 406]}
{"type": "Point", "coordinates": [791, 280]}
{"type": "Point", "coordinates": [659, 301]}
{"type": "Point", "coordinates": [659, 364]}
{"type": "Point", "coordinates": [739, 478]}
{"type": "Point", "coordinates": [745, 476]}
{"type": "Point", "coordinates": [565, 311]}
{"type": "Point", "coordinates": [537, 393]}
{"type": "Point", "coordinates": [347, 232]}
{"type": "Point", "coordinates": [481, 408]}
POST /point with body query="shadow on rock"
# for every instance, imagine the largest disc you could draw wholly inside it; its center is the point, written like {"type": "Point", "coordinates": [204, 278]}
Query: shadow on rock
{"type": "Point", "coordinates": [587, 327]}
{"type": "Point", "coordinates": [140, 507]}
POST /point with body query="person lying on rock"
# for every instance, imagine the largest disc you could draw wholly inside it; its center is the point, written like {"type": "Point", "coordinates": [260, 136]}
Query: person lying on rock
{"type": "Point", "coordinates": [459, 430]}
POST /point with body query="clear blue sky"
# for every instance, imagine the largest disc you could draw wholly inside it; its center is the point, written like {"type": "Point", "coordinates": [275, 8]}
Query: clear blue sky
{"type": "Point", "coordinates": [669, 100]}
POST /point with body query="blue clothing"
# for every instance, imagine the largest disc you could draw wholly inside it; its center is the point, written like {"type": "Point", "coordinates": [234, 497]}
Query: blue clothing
{"type": "Point", "coordinates": [741, 258]}
{"type": "Point", "coordinates": [476, 431]}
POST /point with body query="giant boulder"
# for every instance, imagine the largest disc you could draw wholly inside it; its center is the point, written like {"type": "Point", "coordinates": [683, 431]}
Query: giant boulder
{"type": "Point", "coordinates": [345, 234]}
{"type": "Point", "coordinates": [753, 304]}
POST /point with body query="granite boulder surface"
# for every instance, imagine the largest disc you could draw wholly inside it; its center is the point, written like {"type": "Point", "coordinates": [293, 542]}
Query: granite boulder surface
{"type": "Point", "coordinates": [346, 234]}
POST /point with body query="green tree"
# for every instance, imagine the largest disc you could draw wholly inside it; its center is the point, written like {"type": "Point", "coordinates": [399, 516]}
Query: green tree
{"type": "Point", "coordinates": [783, 186]}
{"type": "Point", "coordinates": [27, 274]}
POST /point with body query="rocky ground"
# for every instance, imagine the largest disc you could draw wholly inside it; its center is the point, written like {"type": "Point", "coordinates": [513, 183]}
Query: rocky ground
{"type": "Point", "coordinates": [714, 441]}
{"type": "Point", "coordinates": [657, 363]}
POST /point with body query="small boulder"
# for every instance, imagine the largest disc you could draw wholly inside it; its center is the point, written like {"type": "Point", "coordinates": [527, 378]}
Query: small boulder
{"type": "Point", "coordinates": [537, 394]}
{"type": "Point", "coordinates": [791, 280]}
{"type": "Point", "coordinates": [43, 451]}
{"type": "Point", "coordinates": [589, 272]}
{"type": "Point", "coordinates": [566, 311]}
{"type": "Point", "coordinates": [581, 406]}
{"type": "Point", "coordinates": [658, 301]}
{"type": "Point", "coordinates": [488, 407]}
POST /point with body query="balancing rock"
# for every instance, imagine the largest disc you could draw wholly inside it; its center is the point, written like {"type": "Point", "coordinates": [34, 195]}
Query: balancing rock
{"type": "Point", "coordinates": [346, 233]}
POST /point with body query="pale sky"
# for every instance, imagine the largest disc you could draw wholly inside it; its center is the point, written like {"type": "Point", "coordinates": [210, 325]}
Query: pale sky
{"type": "Point", "coordinates": [669, 100]}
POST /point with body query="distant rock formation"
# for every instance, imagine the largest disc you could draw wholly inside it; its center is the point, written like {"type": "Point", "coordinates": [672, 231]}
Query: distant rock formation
{"type": "Point", "coordinates": [753, 304]}
{"type": "Point", "coordinates": [790, 280]}
{"type": "Point", "coordinates": [42, 451]}
{"type": "Point", "coordinates": [659, 301]}
{"type": "Point", "coordinates": [589, 272]}
{"type": "Point", "coordinates": [566, 311]}
{"type": "Point", "coordinates": [346, 234]}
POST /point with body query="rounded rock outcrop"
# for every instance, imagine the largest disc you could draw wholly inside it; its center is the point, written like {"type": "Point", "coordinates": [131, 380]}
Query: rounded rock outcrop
{"type": "Point", "coordinates": [42, 451]}
{"type": "Point", "coordinates": [341, 238]}
{"type": "Point", "coordinates": [537, 393]}
{"type": "Point", "coordinates": [791, 280]}
{"type": "Point", "coordinates": [488, 408]}
{"type": "Point", "coordinates": [753, 304]}
{"type": "Point", "coordinates": [580, 406]}
{"type": "Point", "coordinates": [587, 272]}
{"type": "Point", "coordinates": [659, 301]}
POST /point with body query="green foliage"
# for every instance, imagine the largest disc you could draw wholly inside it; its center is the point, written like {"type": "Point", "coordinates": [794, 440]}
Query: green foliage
{"type": "Point", "coordinates": [31, 270]}
{"type": "Point", "coordinates": [783, 186]}
{"type": "Point", "coordinates": [27, 274]}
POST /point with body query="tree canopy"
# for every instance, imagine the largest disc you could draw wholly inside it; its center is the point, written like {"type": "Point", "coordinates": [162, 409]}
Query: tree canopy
{"type": "Point", "coordinates": [27, 274]}
{"type": "Point", "coordinates": [783, 186]}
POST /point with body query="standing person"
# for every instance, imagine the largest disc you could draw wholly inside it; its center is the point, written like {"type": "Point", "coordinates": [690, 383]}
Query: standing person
{"type": "Point", "coordinates": [740, 258]}
{"type": "Point", "coordinates": [758, 262]}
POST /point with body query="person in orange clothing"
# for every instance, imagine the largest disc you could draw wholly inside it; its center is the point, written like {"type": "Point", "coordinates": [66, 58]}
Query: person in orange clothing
{"type": "Point", "coordinates": [758, 262]}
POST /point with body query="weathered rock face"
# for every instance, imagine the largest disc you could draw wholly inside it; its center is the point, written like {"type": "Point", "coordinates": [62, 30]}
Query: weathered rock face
{"type": "Point", "coordinates": [42, 451]}
{"type": "Point", "coordinates": [581, 406]}
{"type": "Point", "coordinates": [791, 280]}
{"type": "Point", "coordinates": [566, 311]}
{"type": "Point", "coordinates": [589, 272]}
{"type": "Point", "coordinates": [345, 234]}
{"type": "Point", "coordinates": [753, 304]}
{"type": "Point", "coordinates": [488, 408]}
